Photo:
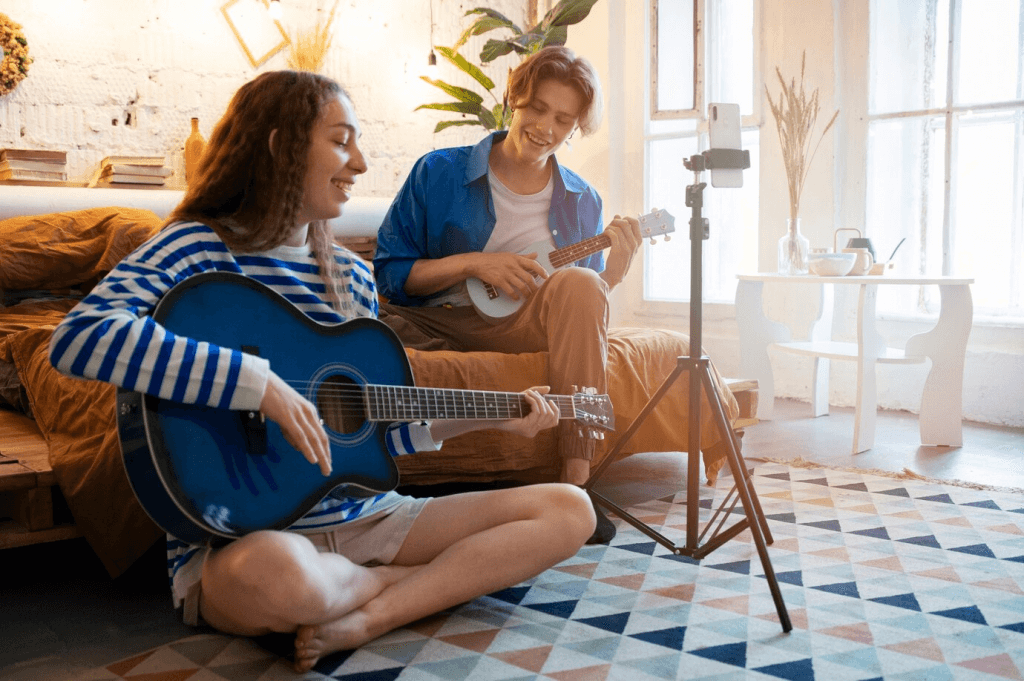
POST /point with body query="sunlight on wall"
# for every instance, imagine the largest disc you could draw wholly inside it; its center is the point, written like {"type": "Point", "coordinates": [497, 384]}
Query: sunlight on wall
{"type": "Point", "coordinates": [114, 77]}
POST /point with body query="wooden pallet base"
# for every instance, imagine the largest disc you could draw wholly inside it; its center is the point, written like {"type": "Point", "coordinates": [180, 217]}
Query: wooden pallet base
{"type": "Point", "coordinates": [31, 506]}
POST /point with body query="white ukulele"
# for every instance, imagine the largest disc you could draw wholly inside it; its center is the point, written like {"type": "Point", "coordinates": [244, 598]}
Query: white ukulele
{"type": "Point", "coordinates": [494, 305]}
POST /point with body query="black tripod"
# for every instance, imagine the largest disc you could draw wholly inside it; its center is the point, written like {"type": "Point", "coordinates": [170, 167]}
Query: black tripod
{"type": "Point", "coordinates": [699, 368]}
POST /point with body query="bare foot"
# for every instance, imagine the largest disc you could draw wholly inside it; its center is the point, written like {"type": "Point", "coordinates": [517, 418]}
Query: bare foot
{"type": "Point", "coordinates": [313, 641]}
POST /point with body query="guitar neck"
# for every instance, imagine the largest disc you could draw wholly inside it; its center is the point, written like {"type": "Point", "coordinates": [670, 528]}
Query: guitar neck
{"type": "Point", "coordinates": [561, 257]}
{"type": "Point", "coordinates": [410, 403]}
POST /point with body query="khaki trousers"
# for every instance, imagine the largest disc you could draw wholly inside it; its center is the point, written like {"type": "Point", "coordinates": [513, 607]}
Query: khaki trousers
{"type": "Point", "coordinates": [566, 317]}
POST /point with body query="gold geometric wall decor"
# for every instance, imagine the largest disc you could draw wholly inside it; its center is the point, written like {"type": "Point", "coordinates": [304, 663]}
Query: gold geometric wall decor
{"type": "Point", "coordinates": [260, 36]}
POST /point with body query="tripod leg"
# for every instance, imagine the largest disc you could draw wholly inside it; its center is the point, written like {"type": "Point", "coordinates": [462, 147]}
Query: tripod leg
{"type": "Point", "coordinates": [747, 496]}
{"type": "Point", "coordinates": [753, 493]}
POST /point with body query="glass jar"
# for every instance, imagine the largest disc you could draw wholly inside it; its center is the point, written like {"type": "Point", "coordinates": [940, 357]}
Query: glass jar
{"type": "Point", "coordinates": [793, 249]}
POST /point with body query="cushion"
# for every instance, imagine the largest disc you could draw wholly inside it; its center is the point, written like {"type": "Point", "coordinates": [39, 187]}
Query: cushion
{"type": "Point", "coordinates": [71, 249]}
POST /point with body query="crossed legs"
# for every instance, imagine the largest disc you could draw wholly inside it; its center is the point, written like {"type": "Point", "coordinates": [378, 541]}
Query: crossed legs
{"type": "Point", "coordinates": [458, 548]}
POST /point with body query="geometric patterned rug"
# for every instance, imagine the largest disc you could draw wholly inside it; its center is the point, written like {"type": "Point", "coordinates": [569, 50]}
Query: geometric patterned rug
{"type": "Point", "coordinates": [882, 577]}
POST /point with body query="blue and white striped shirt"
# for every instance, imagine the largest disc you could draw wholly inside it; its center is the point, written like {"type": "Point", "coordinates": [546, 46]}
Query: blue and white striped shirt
{"type": "Point", "coordinates": [110, 337]}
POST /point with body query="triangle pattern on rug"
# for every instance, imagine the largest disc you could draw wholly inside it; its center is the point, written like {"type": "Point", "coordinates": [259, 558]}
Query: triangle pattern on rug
{"type": "Point", "coordinates": [882, 578]}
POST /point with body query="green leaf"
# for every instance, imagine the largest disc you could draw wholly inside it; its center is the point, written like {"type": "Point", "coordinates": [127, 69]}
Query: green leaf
{"type": "Point", "coordinates": [556, 35]}
{"type": "Point", "coordinates": [473, 71]}
{"type": "Point", "coordinates": [460, 93]}
{"type": "Point", "coordinates": [484, 25]}
{"type": "Point", "coordinates": [528, 43]}
{"type": "Point", "coordinates": [568, 12]}
{"type": "Point", "coordinates": [494, 15]}
{"type": "Point", "coordinates": [447, 124]}
{"type": "Point", "coordinates": [487, 119]}
{"type": "Point", "coordinates": [502, 116]}
{"type": "Point", "coordinates": [496, 48]}
{"type": "Point", "coordinates": [460, 107]}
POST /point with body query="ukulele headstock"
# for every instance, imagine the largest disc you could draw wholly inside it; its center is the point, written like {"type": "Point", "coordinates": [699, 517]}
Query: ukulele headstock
{"type": "Point", "coordinates": [659, 222]}
{"type": "Point", "coordinates": [593, 413]}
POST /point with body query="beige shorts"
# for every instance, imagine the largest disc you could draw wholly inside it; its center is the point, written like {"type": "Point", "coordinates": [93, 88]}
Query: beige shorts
{"type": "Point", "coordinates": [373, 540]}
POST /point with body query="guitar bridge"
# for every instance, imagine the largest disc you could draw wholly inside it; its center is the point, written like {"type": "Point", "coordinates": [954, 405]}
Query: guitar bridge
{"type": "Point", "coordinates": [254, 425]}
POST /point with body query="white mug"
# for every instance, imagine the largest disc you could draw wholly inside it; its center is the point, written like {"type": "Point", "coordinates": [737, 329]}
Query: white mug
{"type": "Point", "coordinates": [864, 260]}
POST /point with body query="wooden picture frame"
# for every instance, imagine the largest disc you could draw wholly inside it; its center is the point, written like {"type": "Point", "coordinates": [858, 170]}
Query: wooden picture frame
{"type": "Point", "coordinates": [260, 36]}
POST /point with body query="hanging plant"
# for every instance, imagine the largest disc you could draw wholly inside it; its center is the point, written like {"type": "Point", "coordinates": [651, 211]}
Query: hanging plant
{"type": "Point", "coordinates": [14, 67]}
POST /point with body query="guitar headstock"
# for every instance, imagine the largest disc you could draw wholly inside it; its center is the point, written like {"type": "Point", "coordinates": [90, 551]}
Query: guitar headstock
{"type": "Point", "coordinates": [659, 222]}
{"type": "Point", "coordinates": [593, 413]}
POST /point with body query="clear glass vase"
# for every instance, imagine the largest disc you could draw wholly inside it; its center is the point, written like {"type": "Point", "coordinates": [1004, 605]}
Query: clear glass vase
{"type": "Point", "coordinates": [793, 249]}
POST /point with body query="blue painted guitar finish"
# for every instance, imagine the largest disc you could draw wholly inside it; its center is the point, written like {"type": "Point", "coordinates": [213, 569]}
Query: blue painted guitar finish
{"type": "Point", "coordinates": [200, 471]}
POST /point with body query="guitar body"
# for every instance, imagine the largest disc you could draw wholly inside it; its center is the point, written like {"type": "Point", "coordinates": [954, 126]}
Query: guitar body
{"type": "Point", "coordinates": [493, 304]}
{"type": "Point", "coordinates": [200, 471]}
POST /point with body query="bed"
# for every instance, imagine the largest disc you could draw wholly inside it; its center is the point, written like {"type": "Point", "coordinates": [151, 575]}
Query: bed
{"type": "Point", "coordinates": [57, 242]}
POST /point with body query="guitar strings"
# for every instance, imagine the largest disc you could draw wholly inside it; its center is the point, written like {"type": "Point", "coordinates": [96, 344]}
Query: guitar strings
{"type": "Point", "coordinates": [505, 404]}
{"type": "Point", "coordinates": [357, 390]}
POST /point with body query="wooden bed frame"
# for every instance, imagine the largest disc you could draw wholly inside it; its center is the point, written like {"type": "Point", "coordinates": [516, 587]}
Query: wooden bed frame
{"type": "Point", "coordinates": [32, 508]}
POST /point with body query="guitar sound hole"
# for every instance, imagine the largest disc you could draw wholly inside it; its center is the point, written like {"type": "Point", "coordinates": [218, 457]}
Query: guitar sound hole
{"type": "Point", "coordinates": [339, 400]}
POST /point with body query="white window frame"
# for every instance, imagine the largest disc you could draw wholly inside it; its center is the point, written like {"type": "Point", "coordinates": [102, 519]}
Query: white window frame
{"type": "Point", "coordinates": [948, 112]}
{"type": "Point", "coordinates": [705, 26]}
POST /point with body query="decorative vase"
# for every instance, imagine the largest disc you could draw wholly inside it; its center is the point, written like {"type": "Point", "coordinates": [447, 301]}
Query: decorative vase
{"type": "Point", "coordinates": [194, 146]}
{"type": "Point", "coordinates": [793, 249]}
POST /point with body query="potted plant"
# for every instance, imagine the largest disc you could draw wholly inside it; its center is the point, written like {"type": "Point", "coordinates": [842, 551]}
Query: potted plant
{"type": "Point", "coordinates": [553, 29]}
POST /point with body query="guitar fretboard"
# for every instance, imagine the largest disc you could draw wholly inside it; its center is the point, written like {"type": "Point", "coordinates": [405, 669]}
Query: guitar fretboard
{"type": "Point", "coordinates": [570, 254]}
{"type": "Point", "coordinates": [410, 403]}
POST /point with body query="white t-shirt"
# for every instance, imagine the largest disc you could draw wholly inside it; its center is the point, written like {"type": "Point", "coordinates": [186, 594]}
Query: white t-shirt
{"type": "Point", "coordinates": [521, 220]}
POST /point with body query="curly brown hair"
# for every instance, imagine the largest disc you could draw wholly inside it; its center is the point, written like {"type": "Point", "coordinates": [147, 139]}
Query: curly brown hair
{"type": "Point", "coordinates": [251, 194]}
{"type": "Point", "coordinates": [559, 63]}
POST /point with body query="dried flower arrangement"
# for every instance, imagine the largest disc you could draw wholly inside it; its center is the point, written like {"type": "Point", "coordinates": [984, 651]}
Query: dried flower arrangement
{"type": "Point", "coordinates": [14, 59]}
{"type": "Point", "coordinates": [795, 114]}
{"type": "Point", "coordinates": [309, 49]}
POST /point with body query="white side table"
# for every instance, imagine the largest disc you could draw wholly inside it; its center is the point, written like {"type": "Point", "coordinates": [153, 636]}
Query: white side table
{"type": "Point", "coordinates": [945, 345]}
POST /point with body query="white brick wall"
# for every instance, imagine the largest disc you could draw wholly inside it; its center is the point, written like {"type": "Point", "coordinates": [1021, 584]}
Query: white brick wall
{"type": "Point", "coordinates": [125, 76]}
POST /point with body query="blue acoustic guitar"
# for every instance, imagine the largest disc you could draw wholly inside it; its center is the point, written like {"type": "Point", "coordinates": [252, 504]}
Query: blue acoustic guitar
{"type": "Point", "coordinates": [493, 304]}
{"type": "Point", "coordinates": [201, 471]}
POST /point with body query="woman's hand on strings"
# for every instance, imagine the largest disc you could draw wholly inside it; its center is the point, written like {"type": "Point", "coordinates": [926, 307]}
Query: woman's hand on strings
{"type": "Point", "coordinates": [299, 421]}
{"type": "Point", "coordinates": [543, 414]}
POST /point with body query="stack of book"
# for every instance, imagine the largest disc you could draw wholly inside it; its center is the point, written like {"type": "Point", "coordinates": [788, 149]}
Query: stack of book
{"type": "Point", "coordinates": [133, 171]}
{"type": "Point", "coordinates": [33, 165]}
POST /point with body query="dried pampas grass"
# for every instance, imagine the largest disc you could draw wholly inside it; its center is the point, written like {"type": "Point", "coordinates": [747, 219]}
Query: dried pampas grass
{"type": "Point", "coordinates": [309, 49]}
{"type": "Point", "coordinates": [795, 114]}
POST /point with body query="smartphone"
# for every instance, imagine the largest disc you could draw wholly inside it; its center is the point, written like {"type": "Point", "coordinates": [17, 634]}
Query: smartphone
{"type": "Point", "coordinates": [725, 134]}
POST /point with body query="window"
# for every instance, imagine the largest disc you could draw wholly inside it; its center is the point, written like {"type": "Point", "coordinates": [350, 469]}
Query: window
{"type": "Point", "coordinates": [715, 65]}
{"type": "Point", "coordinates": [945, 153]}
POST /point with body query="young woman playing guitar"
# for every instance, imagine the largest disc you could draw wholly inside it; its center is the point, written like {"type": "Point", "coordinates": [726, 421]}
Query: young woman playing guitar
{"type": "Point", "coordinates": [282, 161]}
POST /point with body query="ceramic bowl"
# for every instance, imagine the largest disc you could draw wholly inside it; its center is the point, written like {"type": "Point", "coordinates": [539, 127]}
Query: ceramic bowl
{"type": "Point", "coordinates": [831, 264]}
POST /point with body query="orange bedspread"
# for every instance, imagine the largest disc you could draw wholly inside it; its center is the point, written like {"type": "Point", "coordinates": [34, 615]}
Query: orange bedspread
{"type": "Point", "coordinates": [78, 422]}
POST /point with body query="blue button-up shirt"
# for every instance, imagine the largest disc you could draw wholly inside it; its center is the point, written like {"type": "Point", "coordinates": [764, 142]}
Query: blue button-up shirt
{"type": "Point", "coordinates": [445, 208]}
